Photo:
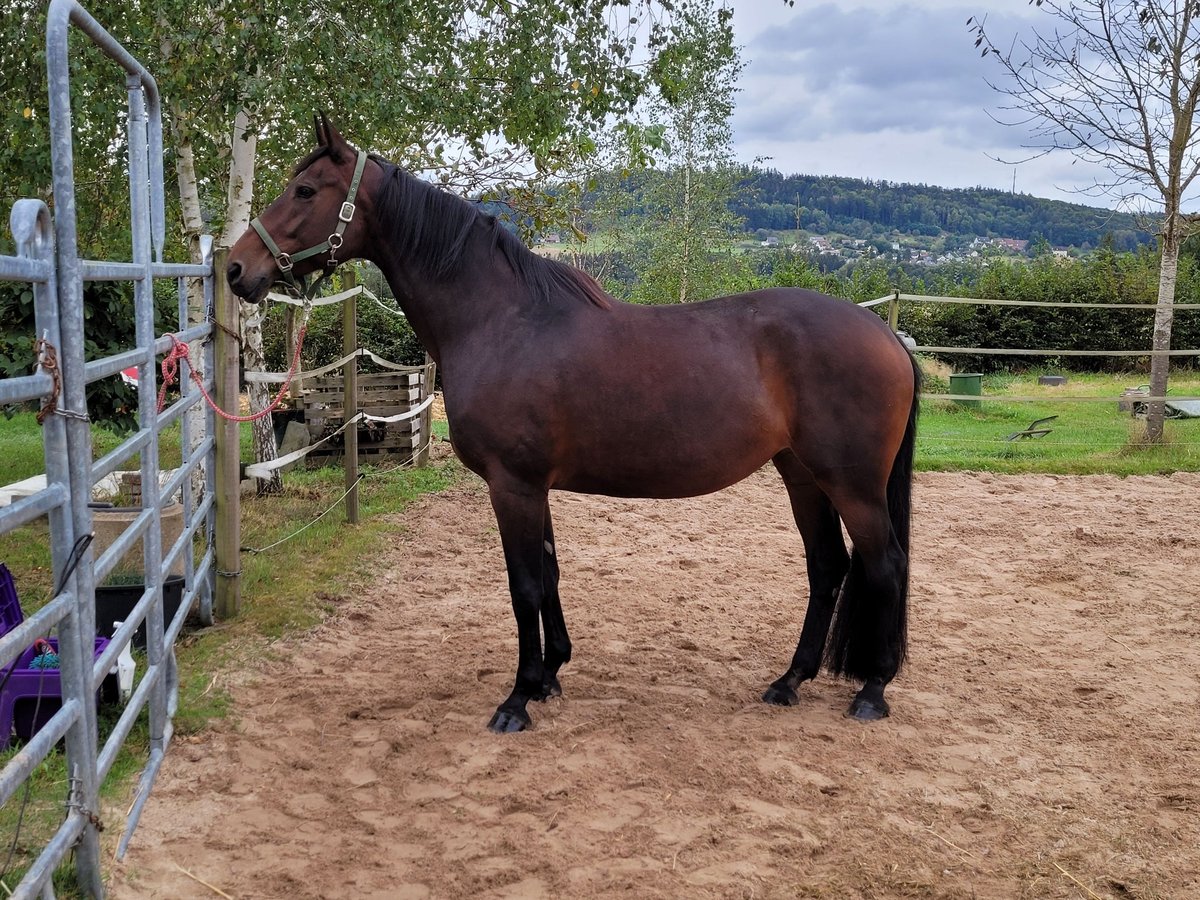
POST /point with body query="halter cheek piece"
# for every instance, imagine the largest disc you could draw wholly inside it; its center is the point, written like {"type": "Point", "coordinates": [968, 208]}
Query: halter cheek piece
{"type": "Point", "coordinates": [286, 261]}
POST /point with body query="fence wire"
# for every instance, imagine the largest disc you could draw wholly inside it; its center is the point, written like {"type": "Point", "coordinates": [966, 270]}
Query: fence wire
{"type": "Point", "coordinates": [1015, 420]}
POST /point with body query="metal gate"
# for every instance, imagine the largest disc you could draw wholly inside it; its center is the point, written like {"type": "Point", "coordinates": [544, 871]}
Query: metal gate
{"type": "Point", "coordinates": [48, 260]}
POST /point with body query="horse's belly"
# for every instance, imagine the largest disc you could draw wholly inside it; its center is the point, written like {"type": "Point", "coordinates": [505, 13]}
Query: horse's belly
{"type": "Point", "coordinates": [649, 464]}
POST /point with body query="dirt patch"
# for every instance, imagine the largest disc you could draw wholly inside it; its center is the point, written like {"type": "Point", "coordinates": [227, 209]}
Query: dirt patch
{"type": "Point", "coordinates": [1044, 738]}
{"type": "Point", "coordinates": [437, 409]}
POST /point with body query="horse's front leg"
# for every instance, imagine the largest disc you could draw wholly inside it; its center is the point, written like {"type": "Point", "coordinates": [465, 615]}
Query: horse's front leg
{"type": "Point", "coordinates": [558, 642]}
{"type": "Point", "coordinates": [520, 513]}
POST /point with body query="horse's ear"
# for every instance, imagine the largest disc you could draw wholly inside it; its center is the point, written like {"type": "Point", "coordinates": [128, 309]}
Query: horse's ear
{"type": "Point", "coordinates": [317, 130]}
{"type": "Point", "coordinates": [338, 146]}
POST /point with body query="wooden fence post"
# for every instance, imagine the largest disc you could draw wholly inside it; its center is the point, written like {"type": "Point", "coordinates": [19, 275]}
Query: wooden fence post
{"type": "Point", "coordinates": [894, 311]}
{"type": "Point", "coordinates": [227, 475]}
{"type": "Point", "coordinates": [350, 401]}
{"type": "Point", "coordinates": [428, 382]}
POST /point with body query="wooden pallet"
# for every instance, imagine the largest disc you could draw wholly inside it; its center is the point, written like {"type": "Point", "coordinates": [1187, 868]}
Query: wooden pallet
{"type": "Point", "coordinates": [380, 394]}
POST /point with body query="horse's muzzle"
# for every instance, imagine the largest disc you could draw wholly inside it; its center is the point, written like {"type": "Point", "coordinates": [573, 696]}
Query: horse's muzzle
{"type": "Point", "coordinates": [252, 290]}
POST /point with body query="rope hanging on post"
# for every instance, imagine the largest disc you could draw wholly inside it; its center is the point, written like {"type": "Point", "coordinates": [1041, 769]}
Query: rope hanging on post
{"type": "Point", "coordinates": [179, 350]}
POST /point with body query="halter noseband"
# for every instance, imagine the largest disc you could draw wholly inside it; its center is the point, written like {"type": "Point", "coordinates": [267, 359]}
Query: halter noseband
{"type": "Point", "coordinates": [286, 261]}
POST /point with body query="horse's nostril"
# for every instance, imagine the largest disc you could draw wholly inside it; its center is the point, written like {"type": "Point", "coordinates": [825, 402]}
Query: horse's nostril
{"type": "Point", "coordinates": [233, 272]}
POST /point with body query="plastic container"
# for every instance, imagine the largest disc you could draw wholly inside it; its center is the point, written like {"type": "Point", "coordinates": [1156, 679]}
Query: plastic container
{"type": "Point", "coordinates": [126, 668]}
{"type": "Point", "coordinates": [114, 603]}
{"type": "Point", "coordinates": [967, 383]}
{"type": "Point", "coordinates": [30, 696]}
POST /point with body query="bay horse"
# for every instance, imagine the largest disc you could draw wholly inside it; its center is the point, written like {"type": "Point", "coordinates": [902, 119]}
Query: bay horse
{"type": "Point", "coordinates": [550, 383]}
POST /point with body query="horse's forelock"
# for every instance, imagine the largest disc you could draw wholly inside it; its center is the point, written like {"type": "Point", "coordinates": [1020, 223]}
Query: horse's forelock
{"type": "Point", "coordinates": [319, 153]}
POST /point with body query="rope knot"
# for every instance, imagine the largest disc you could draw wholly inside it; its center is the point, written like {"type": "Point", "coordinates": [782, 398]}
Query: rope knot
{"type": "Point", "coordinates": [170, 367]}
{"type": "Point", "coordinates": [179, 351]}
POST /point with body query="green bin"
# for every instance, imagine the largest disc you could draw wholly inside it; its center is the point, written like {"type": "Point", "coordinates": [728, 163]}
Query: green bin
{"type": "Point", "coordinates": [967, 383]}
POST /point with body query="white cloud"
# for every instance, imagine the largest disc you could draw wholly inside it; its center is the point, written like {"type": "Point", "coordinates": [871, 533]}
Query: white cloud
{"type": "Point", "coordinates": [875, 90]}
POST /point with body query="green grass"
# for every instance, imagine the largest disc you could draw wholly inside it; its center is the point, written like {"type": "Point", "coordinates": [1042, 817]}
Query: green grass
{"type": "Point", "coordinates": [21, 438]}
{"type": "Point", "coordinates": [328, 556]}
{"type": "Point", "coordinates": [1088, 437]}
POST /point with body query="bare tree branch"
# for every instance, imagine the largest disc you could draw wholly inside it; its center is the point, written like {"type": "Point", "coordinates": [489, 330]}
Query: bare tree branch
{"type": "Point", "coordinates": [1117, 83]}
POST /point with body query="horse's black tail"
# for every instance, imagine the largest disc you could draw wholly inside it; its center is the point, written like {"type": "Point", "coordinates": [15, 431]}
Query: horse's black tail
{"type": "Point", "coordinates": [863, 634]}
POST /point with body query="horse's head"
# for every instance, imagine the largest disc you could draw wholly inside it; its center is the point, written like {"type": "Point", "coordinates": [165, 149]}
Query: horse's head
{"type": "Point", "coordinates": [313, 225]}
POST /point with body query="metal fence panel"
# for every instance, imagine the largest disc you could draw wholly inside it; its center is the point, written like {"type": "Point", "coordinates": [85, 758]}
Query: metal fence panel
{"type": "Point", "coordinates": [48, 259]}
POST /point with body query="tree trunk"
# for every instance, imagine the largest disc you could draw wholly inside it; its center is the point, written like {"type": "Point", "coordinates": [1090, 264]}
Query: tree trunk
{"type": "Point", "coordinates": [1164, 314]}
{"type": "Point", "coordinates": [189, 188]}
{"type": "Point", "coordinates": [253, 360]}
{"type": "Point", "coordinates": [244, 147]}
{"type": "Point", "coordinates": [686, 268]}
{"type": "Point", "coordinates": [237, 220]}
{"type": "Point", "coordinates": [193, 225]}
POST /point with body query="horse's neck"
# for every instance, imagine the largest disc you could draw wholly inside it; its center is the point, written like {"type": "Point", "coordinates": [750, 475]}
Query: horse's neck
{"type": "Point", "coordinates": [444, 315]}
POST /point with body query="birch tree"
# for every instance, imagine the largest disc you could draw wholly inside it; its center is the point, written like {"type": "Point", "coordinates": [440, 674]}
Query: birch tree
{"type": "Point", "coordinates": [697, 83]}
{"type": "Point", "coordinates": [1116, 83]}
{"type": "Point", "coordinates": [471, 91]}
{"type": "Point", "coordinates": [688, 226]}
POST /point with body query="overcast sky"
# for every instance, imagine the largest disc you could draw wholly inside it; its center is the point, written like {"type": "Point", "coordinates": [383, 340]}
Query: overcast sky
{"type": "Point", "coordinates": [885, 90]}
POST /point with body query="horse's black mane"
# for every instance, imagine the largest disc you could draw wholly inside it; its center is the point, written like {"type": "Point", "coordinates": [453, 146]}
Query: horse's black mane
{"type": "Point", "coordinates": [429, 229]}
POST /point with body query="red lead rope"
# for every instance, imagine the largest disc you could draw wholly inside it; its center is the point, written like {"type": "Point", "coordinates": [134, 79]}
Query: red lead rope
{"type": "Point", "coordinates": [179, 350]}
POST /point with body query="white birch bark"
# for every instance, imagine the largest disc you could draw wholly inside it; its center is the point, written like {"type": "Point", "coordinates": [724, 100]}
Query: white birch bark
{"type": "Point", "coordinates": [193, 224]}
{"type": "Point", "coordinates": [237, 220]}
{"type": "Point", "coordinates": [1164, 315]}
{"type": "Point", "coordinates": [685, 269]}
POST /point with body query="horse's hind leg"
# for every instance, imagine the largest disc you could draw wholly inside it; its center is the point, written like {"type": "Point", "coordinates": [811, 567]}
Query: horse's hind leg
{"type": "Point", "coordinates": [825, 552]}
{"type": "Point", "coordinates": [558, 643]}
{"type": "Point", "coordinates": [867, 641]}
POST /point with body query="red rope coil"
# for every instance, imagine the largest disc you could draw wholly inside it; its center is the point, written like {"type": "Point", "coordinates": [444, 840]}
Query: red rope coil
{"type": "Point", "coordinates": [179, 350]}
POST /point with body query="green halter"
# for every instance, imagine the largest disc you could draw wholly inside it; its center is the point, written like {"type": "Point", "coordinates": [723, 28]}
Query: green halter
{"type": "Point", "coordinates": [286, 261]}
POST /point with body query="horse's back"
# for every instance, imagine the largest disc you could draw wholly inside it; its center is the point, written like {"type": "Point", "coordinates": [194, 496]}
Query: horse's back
{"type": "Point", "coordinates": [682, 400]}
{"type": "Point", "coordinates": [786, 309]}
{"type": "Point", "coordinates": [791, 333]}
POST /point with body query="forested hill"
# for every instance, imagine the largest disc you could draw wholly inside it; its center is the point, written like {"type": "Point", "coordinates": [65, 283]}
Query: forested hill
{"type": "Point", "coordinates": [858, 208]}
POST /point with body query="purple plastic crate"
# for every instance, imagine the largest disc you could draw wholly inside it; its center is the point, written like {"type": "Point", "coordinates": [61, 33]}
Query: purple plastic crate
{"type": "Point", "coordinates": [20, 706]}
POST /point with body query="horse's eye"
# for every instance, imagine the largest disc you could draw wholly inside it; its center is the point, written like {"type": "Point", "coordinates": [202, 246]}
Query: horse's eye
{"type": "Point", "coordinates": [304, 192]}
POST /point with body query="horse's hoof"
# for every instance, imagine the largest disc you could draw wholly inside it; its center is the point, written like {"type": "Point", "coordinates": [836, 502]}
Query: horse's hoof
{"type": "Point", "coordinates": [865, 710]}
{"type": "Point", "coordinates": [780, 695]}
{"type": "Point", "coordinates": [506, 721]}
{"type": "Point", "coordinates": [550, 688]}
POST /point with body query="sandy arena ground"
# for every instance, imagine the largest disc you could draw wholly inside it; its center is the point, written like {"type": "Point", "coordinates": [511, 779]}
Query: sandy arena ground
{"type": "Point", "coordinates": [1044, 742]}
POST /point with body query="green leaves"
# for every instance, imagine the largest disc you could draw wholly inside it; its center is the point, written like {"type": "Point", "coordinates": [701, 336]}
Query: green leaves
{"type": "Point", "coordinates": [540, 75]}
{"type": "Point", "coordinates": [687, 229]}
{"type": "Point", "coordinates": [109, 329]}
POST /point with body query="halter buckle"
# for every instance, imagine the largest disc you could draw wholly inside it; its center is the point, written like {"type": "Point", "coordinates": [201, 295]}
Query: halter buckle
{"type": "Point", "coordinates": [284, 261]}
{"type": "Point", "coordinates": [346, 213]}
